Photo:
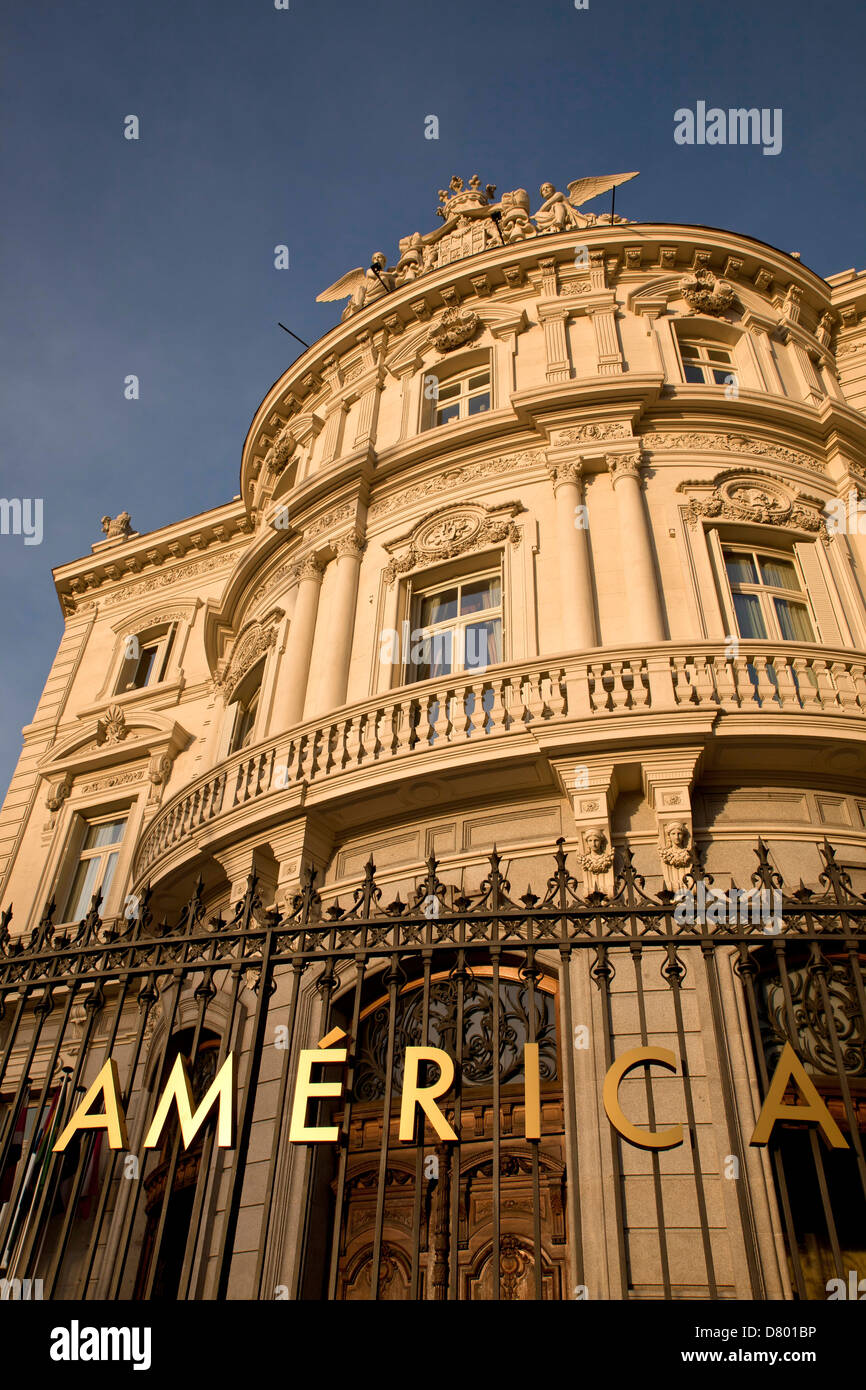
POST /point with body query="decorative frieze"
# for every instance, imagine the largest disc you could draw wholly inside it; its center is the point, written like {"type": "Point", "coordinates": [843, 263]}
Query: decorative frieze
{"type": "Point", "coordinates": [733, 444]}
{"type": "Point", "coordinates": [451, 479]}
{"type": "Point", "coordinates": [594, 433]}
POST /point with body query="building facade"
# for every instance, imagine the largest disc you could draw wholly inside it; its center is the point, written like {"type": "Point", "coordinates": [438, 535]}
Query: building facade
{"type": "Point", "coordinates": [541, 614]}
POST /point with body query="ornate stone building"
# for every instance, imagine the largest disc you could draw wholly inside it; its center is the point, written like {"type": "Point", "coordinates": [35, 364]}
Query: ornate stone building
{"type": "Point", "coordinates": [555, 537]}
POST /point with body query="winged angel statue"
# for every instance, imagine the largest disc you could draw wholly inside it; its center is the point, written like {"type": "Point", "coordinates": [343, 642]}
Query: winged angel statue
{"type": "Point", "coordinates": [418, 254]}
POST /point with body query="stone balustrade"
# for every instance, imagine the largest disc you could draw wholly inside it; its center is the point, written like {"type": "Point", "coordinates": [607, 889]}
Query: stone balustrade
{"type": "Point", "coordinates": [764, 678]}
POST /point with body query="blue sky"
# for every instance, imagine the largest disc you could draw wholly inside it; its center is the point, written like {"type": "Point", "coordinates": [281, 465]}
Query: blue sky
{"type": "Point", "coordinates": [305, 127]}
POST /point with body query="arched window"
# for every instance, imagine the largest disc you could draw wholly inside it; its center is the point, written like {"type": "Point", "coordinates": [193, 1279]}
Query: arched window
{"type": "Point", "coordinates": [438, 1204]}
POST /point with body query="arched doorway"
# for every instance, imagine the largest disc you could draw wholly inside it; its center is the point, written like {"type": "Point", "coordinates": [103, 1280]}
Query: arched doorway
{"type": "Point", "coordinates": [454, 1222]}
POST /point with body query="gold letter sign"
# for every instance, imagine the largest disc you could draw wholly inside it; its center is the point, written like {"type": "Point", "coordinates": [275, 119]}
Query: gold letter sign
{"type": "Point", "coordinates": [641, 1138]}
{"type": "Point", "coordinates": [178, 1089]}
{"type": "Point", "coordinates": [425, 1096]}
{"type": "Point", "coordinates": [790, 1068]}
{"type": "Point", "coordinates": [113, 1118]}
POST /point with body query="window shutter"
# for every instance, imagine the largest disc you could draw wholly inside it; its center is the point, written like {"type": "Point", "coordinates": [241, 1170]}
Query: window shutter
{"type": "Point", "coordinates": [823, 601]}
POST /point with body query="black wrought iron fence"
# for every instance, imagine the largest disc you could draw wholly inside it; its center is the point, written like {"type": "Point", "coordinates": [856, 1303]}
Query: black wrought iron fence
{"type": "Point", "coordinates": [497, 1210]}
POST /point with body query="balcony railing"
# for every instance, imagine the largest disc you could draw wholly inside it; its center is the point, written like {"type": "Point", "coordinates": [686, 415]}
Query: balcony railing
{"type": "Point", "coordinates": [486, 706]}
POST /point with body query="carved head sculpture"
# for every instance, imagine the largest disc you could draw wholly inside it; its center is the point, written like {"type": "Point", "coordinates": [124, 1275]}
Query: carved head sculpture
{"type": "Point", "coordinates": [379, 259]}
{"type": "Point", "coordinates": [677, 833]}
{"type": "Point", "coordinates": [546, 189]}
{"type": "Point", "coordinates": [595, 841]}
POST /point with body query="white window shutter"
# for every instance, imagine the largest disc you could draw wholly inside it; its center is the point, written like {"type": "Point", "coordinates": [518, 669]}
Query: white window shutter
{"type": "Point", "coordinates": [823, 602]}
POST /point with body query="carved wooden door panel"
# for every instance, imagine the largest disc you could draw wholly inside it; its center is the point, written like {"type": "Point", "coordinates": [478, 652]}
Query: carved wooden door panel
{"type": "Point", "coordinates": [453, 1217]}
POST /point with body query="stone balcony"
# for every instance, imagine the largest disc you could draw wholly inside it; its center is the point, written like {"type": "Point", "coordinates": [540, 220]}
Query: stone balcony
{"type": "Point", "coordinates": [549, 707]}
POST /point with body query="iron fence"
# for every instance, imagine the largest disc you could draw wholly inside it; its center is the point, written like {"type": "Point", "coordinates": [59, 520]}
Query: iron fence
{"type": "Point", "coordinates": [490, 1214]}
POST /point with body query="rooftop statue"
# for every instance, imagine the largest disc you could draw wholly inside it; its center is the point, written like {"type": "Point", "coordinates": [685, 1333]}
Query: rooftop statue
{"type": "Point", "coordinates": [472, 222]}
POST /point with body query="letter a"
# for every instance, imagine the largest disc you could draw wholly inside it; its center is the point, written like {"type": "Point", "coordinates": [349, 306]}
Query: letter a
{"type": "Point", "coordinates": [112, 1119]}
{"type": "Point", "coordinates": [413, 1094]}
{"type": "Point", "coordinates": [790, 1068]}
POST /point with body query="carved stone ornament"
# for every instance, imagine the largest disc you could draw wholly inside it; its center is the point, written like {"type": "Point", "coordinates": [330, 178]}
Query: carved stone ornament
{"type": "Point", "coordinates": [675, 852]}
{"type": "Point", "coordinates": [251, 644]}
{"type": "Point", "coordinates": [118, 527]}
{"type": "Point", "coordinates": [472, 222]}
{"type": "Point", "coordinates": [760, 502]}
{"type": "Point", "coordinates": [623, 466]}
{"type": "Point", "coordinates": [731, 444]}
{"type": "Point", "coordinates": [597, 858]}
{"type": "Point", "coordinates": [705, 294]}
{"type": "Point", "coordinates": [589, 434]}
{"type": "Point", "coordinates": [451, 532]}
{"type": "Point", "coordinates": [350, 544]}
{"type": "Point", "coordinates": [111, 729]}
{"type": "Point", "coordinates": [454, 328]}
{"type": "Point", "coordinates": [310, 567]}
{"type": "Point", "coordinates": [58, 792]}
{"type": "Point", "coordinates": [451, 478]}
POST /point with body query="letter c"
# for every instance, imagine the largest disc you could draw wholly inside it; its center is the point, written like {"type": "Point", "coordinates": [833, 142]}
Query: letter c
{"type": "Point", "coordinates": [641, 1138]}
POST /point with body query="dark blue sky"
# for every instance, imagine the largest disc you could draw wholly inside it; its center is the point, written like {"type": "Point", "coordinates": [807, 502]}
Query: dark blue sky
{"type": "Point", "coordinates": [306, 127]}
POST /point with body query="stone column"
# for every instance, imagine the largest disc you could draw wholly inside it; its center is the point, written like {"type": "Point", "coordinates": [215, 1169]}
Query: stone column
{"type": "Point", "coordinates": [575, 571]}
{"type": "Point", "coordinates": [341, 620]}
{"type": "Point", "coordinates": [295, 661]}
{"type": "Point", "coordinates": [642, 595]}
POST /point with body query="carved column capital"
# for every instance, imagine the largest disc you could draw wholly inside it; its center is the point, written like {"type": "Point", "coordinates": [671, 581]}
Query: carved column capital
{"type": "Point", "coordinates": [565, 471]}
{"type": "Point", "coordinates": [624, 465]}
{"type": "Point", "coordinates": [352, 543]}
{"type": "Point", "coordinates": [310, 567]}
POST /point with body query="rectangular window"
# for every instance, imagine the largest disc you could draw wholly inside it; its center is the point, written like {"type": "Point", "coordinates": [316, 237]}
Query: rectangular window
{"type": "Point", "coordinates": [768, 596]}
{"type": "Point", "coordinates": [97, 861]}
{"type": "Point", "coordinates": [457, 627]}
{"type": "Point", "coordinates": [706, 363]}
{"type": "Point", "coordinates": [146, 659]}
{"type": "Point", "coordinates": [462, 396]}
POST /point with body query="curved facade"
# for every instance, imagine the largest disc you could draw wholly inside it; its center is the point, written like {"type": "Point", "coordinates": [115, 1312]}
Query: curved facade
{"type": "Point", "coordinates": [555, 536]}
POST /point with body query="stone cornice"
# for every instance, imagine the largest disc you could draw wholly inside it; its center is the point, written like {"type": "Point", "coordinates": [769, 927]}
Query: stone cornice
{"type": "Point", "coordinates": [496, 274]}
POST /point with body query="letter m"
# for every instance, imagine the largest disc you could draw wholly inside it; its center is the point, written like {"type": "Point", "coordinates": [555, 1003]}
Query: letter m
{"type": "Point", "coordinates": [179, 1090]}
{"type": "Point", "coordinates": [746, 121]}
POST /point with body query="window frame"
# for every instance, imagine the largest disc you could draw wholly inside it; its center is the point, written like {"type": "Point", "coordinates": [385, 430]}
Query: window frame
{"type": "Point", "coordinates": [704, 346]}
{"type": "Point", "coordinates": [79, 854]}
{"type": "Point", "coordinates": [249, 691]}
{"type": "Point", "coordinates": [418, 591]}
{"type": "Point", "coordinates": [457, 375]}
{"type": "Point", "coordinates": [161, 636]}
{"type": "Point", "coordinates": [766, 593]}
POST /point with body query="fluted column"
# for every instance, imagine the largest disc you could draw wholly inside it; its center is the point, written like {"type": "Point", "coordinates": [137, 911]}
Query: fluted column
{"type": "Point", "coordinates": [295, 665]}
{"type": "Point", "coordinates": [642, 595]}
{"type": "Point", "coordinates": [575, 571]}
{"type": "Point", "coordinates": [341, 620]}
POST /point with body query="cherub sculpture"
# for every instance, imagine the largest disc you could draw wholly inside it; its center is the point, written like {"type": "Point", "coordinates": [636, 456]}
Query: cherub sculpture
{"type": "Point", "coordinates": [361, 287]}
{"type": "Point", "coordinates": [558, 213]}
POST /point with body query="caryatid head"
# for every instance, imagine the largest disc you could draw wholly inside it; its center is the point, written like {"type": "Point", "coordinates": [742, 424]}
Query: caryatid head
{"type": "Point", "coordinates": [595, 841]}
{"type": "Point", "coordinates": [678, 834]}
